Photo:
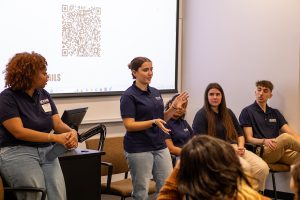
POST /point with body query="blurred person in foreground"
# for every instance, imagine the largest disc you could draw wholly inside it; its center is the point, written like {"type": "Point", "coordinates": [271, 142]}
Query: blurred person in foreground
{"type": "Point", "coordinates": [205, 173]}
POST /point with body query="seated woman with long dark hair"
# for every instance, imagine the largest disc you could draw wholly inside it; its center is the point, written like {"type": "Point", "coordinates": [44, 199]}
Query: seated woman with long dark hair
{"type": "Point", "coordinates": [217, 120]}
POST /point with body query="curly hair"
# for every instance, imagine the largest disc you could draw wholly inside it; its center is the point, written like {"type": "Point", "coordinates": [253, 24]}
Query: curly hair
{"type": "Point", "coordinates": [265, 83]}
{"type": "Point", "coordinates": [209, 169]}
{"type": "Point", "coordinates": [22, 69]}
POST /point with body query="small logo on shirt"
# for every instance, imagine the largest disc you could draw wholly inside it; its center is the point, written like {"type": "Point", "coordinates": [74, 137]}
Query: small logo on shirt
{"type": "Point", "coordinates": [44, 101]}
{"type": "Point", "coordinates": [158, 98]}
{"type": "Point", "coordinates": [272, 120]}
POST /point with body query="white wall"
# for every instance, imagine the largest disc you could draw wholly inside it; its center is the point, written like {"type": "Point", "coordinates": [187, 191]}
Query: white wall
{"type": "Point", "coordinates": [237, 42]}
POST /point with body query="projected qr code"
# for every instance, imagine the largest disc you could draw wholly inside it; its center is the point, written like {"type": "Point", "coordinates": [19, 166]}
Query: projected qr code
{"type": "Point", "coordinates": [81, 31]}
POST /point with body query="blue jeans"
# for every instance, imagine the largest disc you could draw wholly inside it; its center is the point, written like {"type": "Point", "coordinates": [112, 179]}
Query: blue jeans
{"type": "Point", "coordinates": [145, 165]}
{"type": "Point", "coordinates": [27, 166]}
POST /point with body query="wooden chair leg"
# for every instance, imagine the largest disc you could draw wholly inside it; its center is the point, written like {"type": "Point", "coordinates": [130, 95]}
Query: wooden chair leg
{"type": "Point", "coordinates": [274, 185]}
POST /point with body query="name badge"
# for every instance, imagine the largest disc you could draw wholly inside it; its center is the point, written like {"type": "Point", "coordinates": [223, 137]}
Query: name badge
{"type": "Point", "coordinates": [157, 98]}
{"type": "Point", "coordinates": [46, 107]}
{"type": "Point", "coordinates": [272, 120]}
{"type": "Point", "coordinates": [185, 130]}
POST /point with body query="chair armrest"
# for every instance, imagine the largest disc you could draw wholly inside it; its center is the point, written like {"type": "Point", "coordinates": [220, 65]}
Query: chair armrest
{"type": "Point", "coordinates": [27, 189]}
{"type": "Point", "coordinates": [109, 174]}
{"type": "Point", "coordinates": [257, 149]}
{"type": "Point", "coordinates": [173, 158]}
{"type": "Point", "coordinates": [107, 164]}
{"type": "Point", "coordinates": [250, 147]}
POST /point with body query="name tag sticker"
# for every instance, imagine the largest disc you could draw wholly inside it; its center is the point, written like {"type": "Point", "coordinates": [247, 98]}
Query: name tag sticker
{"type": "Point", "coordinates": [46, 107]}
{"type": "Point", "coordinates": [272, 120]}
{"type": "Point", "coordinates": [185, 130]}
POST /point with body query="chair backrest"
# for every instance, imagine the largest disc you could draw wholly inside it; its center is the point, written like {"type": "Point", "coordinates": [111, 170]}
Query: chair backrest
{"type": "Point", "coordinates": [114, 153]}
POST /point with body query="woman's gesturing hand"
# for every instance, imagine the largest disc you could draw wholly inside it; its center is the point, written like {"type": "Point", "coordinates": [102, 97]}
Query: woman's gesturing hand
{"type": "Point", "coordinates": [181, 99]}
{"type": "Point", "coordinates": [161, 124]}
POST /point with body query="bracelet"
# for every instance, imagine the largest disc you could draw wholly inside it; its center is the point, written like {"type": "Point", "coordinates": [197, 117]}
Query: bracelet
{"type": "Point", "coordinates": [263, 142]}
{"type": "Point", "coordinates": [49, 137]}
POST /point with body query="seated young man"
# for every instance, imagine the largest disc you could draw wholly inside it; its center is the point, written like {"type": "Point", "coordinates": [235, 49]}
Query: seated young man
{"type": "Point", "coordinates": [266, 126]}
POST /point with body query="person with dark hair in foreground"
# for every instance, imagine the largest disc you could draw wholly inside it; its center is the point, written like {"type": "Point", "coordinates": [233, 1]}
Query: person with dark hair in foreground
{"type": "Point", "coordinates": [295, 179]}
{"type": "Point", "coordinates": [205, 173]}
{"type": "Point", "coordinates": [27, 116]}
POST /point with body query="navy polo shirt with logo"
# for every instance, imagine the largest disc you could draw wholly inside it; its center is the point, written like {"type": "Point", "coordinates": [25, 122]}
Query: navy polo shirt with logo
{"type": "Point", "coordinates": [142, 106]}
{"type": "Point", "coordinates": [35, 113]}
{"type": "Point", "coordinates": [264, 124]}
{"type": "Point", "coordinates": [180, 132]}
{"type": "Point", "coordinates": [200, 125]}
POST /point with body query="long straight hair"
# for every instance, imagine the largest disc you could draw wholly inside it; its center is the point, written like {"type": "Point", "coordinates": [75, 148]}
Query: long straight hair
{"type": "Point", "coordinates": [224, 113]}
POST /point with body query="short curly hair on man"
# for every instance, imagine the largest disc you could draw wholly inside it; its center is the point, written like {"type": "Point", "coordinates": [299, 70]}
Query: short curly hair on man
{"type": "Point", "coordinates": [265, 83]}
{"type": "Point", "coordinates": [22, 69]}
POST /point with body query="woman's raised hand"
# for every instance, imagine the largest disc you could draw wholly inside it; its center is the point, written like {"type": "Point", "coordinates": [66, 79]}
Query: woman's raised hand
{"type": "Point", "coordinates": [181, 99]}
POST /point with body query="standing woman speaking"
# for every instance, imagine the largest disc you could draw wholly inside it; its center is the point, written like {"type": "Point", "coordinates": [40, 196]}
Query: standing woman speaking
{"type": "Point", "coordinates": [142, 111]}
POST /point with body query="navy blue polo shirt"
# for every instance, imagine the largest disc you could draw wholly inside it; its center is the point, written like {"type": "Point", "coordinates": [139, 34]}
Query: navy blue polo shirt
{"type": "Point", "coordinates": [35, 113]}
{"type": "Point", "coordinates": [142, 106]}
{"type": "Point", "coordinates": [264, 124]}
{"type": "Point", "coordinates": [200, 125]}
{"type": "Point", "coordinates": [180, 132]}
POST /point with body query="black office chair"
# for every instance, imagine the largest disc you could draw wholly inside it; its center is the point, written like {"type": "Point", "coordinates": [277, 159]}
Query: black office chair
{"type": "Point", "coordinates": [274, 168]}
{"type": "Point", "coordinates": [8, 193]}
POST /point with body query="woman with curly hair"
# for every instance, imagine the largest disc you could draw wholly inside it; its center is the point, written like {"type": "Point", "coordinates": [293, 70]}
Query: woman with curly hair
{"type": "Point", "coordinates": [27, 116]}
{"type": "Point", "coordinates": [205, 173]}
